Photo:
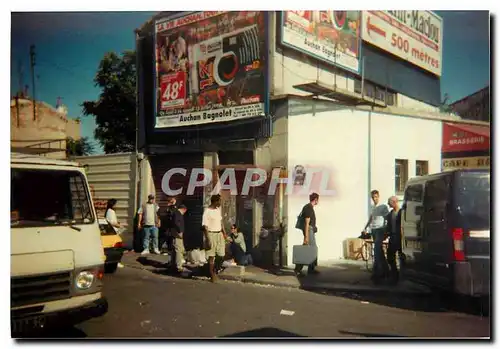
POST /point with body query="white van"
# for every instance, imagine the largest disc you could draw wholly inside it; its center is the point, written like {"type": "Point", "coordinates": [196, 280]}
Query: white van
{"type": "Point", "coordinates": [446, 227]}
{"type": "Point", "coordinates": [57, 258]}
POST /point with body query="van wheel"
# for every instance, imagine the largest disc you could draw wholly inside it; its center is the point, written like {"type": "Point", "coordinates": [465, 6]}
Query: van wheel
{"type": "Point", "coordinates": [110, 268]}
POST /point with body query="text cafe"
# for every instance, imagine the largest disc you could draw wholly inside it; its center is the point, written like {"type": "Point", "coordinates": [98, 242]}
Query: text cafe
{"type": "Point", "coordinates": [465, 146]}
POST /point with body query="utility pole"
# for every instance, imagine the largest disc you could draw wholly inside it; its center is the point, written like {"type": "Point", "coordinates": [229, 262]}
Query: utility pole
{"type": "Point", "coordinates": [21, 77]}
{"type": "Point", "coordinates": [32, 62]}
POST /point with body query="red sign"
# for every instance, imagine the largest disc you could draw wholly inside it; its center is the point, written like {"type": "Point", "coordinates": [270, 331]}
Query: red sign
{"type": "Point", "coordinates": [461, 137]}
{"type": "Point", "coordinates": [173, 90]}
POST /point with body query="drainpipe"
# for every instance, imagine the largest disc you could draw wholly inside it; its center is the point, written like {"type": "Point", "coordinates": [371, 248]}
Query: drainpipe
{"type": "Point", "coordinates": [369, 155]}
{"type": "Point", "coordinates": [281, 227]}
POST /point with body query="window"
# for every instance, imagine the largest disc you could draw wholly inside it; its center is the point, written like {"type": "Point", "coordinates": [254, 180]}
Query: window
{"type": "Point", "coordinates": [414, 193]}
{"type": "Point", "coordinates": [375, 91]}
{"type": "Point", "coordinates": [421, 168]}
{"type": "Point", "coordinates": [436, 197]}
{"type": "Point", "coordinates": [44, 198]}
{"type": "Point", "coordinates": [401, 175]}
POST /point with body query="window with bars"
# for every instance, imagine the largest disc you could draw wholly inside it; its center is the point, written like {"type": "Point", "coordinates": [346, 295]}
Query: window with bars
{"type": "Point", "coordinates": [401, 175]}
{"type": "Point", "coordinates": [421, 167]}
{"type": "Point", "coordinates": [377, 92]}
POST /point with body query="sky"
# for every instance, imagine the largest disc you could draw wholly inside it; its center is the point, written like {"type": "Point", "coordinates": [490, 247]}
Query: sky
{"type": "Point", "coordinates": [69, 47]}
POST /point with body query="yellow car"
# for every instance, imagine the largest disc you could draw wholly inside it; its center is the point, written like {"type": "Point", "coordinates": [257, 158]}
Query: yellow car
{"type": "Point", "coordinates": [112, 244]}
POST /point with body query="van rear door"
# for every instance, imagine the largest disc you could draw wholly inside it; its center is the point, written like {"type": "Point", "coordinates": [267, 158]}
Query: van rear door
{"type": "Point", "coordinates": [472, 197]}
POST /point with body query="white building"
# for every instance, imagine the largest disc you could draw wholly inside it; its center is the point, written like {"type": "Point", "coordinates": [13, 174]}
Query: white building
{"type": "Point", "coordinates": [372, 122]}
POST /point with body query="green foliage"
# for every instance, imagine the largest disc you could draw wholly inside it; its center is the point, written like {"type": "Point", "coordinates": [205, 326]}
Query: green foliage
{"type": "Point", "coordinates": [79, 147]}
{"type": "Point", "coordinates": [115, 109]}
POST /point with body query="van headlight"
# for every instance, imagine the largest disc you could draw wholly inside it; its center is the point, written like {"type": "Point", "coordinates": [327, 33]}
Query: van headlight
{"type": "Point", "coordinates": [84, 280]}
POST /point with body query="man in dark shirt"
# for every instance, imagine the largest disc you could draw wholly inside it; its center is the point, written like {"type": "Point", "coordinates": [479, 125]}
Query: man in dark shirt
{"type": "Point", "coordinates": [167, 235]}
{"type": "Point", "coordinates": [393, 229]}
{"type": "Point", "coordinates": [309, 230]}
{"type": "Point", "coordinates": [178, 235]}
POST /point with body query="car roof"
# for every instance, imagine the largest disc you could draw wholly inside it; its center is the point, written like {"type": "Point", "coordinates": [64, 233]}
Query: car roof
{"type": "Point", "coordinates": [423, 179]}
{"type": "Point", "coordinates": [19, 158]}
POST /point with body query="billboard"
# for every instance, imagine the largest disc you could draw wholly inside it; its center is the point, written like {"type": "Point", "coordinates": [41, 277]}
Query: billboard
{"type": "Point", "coordinates": [415, 36]}
{"type": "Point", "coordinates": [210, 67]}
{"type": "Point", "coordinates": [331, 36]}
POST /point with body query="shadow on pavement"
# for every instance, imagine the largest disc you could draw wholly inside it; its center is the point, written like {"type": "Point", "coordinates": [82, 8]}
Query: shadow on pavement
{"type": "Point", "coordinates": [61, 333]}
{"type": "Point", "coordinates": [372, 335]}
{"type": "Point", "coordinates": [435, 302]}
{"type": "Point", "coordinates": [263, 332]}
{"type": "Point", "coordinates": [151, 263]}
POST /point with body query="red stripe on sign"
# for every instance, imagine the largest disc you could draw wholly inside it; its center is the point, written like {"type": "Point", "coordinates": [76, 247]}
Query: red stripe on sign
{"type": "Point", "coordinates": [410, 32]}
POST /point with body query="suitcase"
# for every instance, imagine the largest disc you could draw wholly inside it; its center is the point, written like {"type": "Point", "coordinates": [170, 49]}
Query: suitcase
{"type": "Point", "coordinates": [304, 254]}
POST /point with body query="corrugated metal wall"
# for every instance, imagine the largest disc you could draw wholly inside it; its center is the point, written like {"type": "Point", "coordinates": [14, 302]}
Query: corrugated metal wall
{"type": "Point", "coordinates": [114, 176]}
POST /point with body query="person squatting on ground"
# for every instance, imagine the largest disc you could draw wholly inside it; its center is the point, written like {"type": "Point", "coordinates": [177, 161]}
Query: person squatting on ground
{"type": "Point", "coordinates": [178, 235]}
{"type": "Point", "coordinates": [395, 232]}
{"type": "Point", "coordinates": [376, 222]}
{"type": "Point", "coordinates": [309, 230]}
{"type": "Point", "coordinates": [150, 221]}
{"type": "Point", "coordinates": [238, 247]}
{"type": "Point", "coordinates": [212, 224]}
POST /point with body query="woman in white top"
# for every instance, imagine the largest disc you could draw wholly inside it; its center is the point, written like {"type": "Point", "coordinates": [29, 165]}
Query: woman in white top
{"type": "Point", "coordinates": [110, 216]}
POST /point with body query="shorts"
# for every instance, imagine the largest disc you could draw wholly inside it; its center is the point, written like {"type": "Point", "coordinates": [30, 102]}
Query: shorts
{"type": "Point", "coordinates": [217, 244]}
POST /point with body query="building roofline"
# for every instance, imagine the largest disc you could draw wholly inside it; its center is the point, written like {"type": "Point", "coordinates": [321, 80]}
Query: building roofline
{"type": "Point", "coordinates": [468, 96]}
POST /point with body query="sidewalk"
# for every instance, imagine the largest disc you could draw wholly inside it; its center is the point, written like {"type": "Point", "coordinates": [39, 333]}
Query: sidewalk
{"type": "Point", "coordinates": [348, 276]}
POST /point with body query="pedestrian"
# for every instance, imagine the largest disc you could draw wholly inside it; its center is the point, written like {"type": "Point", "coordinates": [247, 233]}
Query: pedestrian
{"type": "Point", "coordinates": [395, 232]}
{"type": "Point", "coordinates": [167, 232]}
{"type": "Point", "coordinates": [376, 222]}
{"type": "Point", "coordinates": [238, 247]}
{"type": "Point", "coordinates": [150, 222]}
{"type": "Point", "coordinates": [110, 216]}
{"type": "Point", "coordinates": [178, 235]}
{"type": "Point", "coordinates": [309, 229]}
{"type": "Point", "coordinates": [212, 225]}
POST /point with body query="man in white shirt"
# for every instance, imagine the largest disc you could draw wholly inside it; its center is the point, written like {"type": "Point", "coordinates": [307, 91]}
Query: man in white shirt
{"type": "Point", "coordinates": [212, 224]}
{"type": "Point", "coordinates": [376, 222]}
{"type": "Point", "coordinates": [149, 220]}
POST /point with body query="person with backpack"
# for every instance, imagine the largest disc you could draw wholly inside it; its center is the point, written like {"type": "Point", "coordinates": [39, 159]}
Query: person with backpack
{"type": "Point", "coordinates": [307, 223]}
{"type": "Point", "coordinates": [150, 222]}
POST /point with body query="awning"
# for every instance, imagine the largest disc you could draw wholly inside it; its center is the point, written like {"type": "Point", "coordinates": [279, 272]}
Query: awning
{"type": "Point", "coordinates": [463, 137]}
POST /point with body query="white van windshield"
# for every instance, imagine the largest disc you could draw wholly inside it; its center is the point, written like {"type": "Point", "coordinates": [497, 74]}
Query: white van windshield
{"type": "Point", "coordinates": [48, 197]}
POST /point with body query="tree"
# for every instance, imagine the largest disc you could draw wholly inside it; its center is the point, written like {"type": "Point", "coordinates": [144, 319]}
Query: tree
{"type": "Point", "coordinates": [115, 109]}
{"type": "Point", "coordinates": [445, 105]}
{"type": "Point", "coordinates": [79, 147]}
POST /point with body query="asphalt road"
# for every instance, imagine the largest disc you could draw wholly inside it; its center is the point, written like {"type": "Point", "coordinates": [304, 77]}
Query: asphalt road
{"type": "Point", "coordinates": [143, 304]}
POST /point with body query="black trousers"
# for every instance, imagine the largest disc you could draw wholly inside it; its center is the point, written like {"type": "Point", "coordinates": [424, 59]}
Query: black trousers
{"type": "Point", "coordinates": [393, 248]}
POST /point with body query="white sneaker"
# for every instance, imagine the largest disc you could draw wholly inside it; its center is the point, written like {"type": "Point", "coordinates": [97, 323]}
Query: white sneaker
{"type": "Point", "coordinates": [145, 252]}
{"type": "Point", "coordinates": [156, 252]}
{"type": "Point", "coordinates": [120, 265]}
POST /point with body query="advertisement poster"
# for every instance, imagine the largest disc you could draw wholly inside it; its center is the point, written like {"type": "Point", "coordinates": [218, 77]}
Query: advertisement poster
{"type": "Point", "coordinates": [210, 67]}
{"type": "Point", "coordinates": [331, 36]}
{"type": "Point", "coordinates": [415, 36]}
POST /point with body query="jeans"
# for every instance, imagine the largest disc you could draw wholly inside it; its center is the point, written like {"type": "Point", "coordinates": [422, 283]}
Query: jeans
{"type": "Point", "coordinates": [150, 233]}
{"type": "Point", "coordinates": [312, 242]}
{"type": "Point", "coordinates": [380, 267]}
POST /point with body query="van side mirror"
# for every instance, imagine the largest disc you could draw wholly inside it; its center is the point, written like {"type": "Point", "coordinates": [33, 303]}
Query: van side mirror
{"type": "Point", "coordinates": [419, 210]}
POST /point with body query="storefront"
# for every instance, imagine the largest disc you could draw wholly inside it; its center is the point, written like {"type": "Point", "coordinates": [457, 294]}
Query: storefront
{"type": "Point", "coordinates": [465, 146]}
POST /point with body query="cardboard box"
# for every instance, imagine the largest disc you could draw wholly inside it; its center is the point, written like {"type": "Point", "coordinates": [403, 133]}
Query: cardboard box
{"type": "Point", "coordinates": [353, 248]}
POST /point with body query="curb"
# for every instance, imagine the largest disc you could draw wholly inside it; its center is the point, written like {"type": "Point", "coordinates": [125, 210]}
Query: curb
{"type": "Point", "coordinates": [327, 288]}
{"type": "Point", "coordinates": [319, 287]}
